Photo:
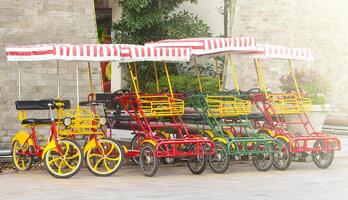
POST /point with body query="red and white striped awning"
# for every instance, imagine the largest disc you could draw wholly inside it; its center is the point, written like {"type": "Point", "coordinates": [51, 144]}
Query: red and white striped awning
{"type": "Point", "coordinates": [136, 53]}
{"type": "Point", "coordinates": [207, 46]}
{"type": "Point", "coordinates": [280, 52]}
{"type": "Point", "coordinates": [88, 52]}
{"type": "Point", "coordinates": [83, 52]}
{"type": "Point", "coordinates": [30, 53]}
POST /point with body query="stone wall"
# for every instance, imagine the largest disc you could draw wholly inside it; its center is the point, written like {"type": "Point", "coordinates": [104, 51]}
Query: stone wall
{"type": "Point", "coordinates": [25, 22]}
{"type": "Point", "coordinates": [320, 25]}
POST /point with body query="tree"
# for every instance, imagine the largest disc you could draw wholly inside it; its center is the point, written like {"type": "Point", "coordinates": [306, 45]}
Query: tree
{"type": "Point", "coordinates": [229, 13]}
{"type": "Point", "coordinates": [152, 20]}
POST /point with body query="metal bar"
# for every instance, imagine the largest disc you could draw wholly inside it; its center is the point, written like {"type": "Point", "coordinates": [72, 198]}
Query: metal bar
{"type": "Point", "coordinates": [234, 73]}
{"type": "Point", "coordinates": [294, 78]}
{"type": "Point", "coordinates": [218, 73]}
{"type": "Point", "coordinates": [19, 81]}
{"type": "Point", "coordinates": [168, 79]}
{"type": "Point", "coordinates": [262, 77]}
{"type": "Point", "coordinates": [258, 75]}
{"type": "Point", "coordinates": [133, 80]}
{"type": "Point", "coordinates": [136, 75]}
{"type": "Point", "coordinates": [90, 80]}
{"type": "Point", "coordinates": [198, 75]}
{"type": "Point", "coordinates": [77, 85]}
{"type": "Point", "coordinates": [156, 76]}
{"type": "Point", "coordinates": [58, 80]}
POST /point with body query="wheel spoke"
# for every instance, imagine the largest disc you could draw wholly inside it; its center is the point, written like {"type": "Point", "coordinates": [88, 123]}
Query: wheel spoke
{"type": "Point", "coordinates": [53, 160]}
{"type": "Point", "coordinates": [97, 163]}
{"type": "Point", "coordinates": [23, 165]}
{"type": "Point", "coordinates": [67, 164]}
{"type": "Point", "coordinates": [94, 154]}
{"type": "Point", "coordinates": [60, 167]}
{"type": "Point", "coordinates": [112, 148]}
{"type": "Point", "coordinates": [106, 165]}
{"type": "Point", "coordinates": [114, 159]}
{"type": "Point", "coordinates": [67, 149]}
{"type": "Point", "coordinates": [74, 156]}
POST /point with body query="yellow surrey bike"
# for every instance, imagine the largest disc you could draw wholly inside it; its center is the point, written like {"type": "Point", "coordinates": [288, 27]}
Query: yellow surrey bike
{"type": "Point", "coordinates": [104, 156]}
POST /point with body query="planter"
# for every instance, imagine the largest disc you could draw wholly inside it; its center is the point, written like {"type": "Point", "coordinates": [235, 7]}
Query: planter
{"type": "Point", "coordinates": [316, 117]}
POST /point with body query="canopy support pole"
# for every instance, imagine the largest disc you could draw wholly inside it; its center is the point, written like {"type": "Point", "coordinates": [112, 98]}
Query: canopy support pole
{"type": "Point", "coordinates": [136, 74]}
{"type": "Point", "coordinates": [133, 80]}
{"type": "Point", "coordinates": [258, 75]}
{"type": "Point", "coordinates": [224, 72]}
{"type": "Point", "coordinates": [19, 81]}
{"type": "Point", "coordinates": [218, 73]}
{"type": "Point", "coordinates": [156, 76]}
{"type": "Point", "coordinates": [168, 79]}
{"type": "Point", "coordinates": [262, 77]}
{"type": "Point", "coordinates": [90, 79]}
{"type": "Point", "coordinates": [294, 78]}
{"type": "Point", "coordinates": [198, 75]}
{"type": "Point", "coordinates": [234, 73]}
{"type": "Point", "coordinates": [58, 80]}
{"type": "Point", "coordinates": [101, 79]}
{"type": "Point", "coordinates": [77, 86]}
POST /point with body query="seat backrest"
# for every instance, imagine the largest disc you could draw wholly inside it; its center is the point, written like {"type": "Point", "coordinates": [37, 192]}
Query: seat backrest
{"type": "Point", "coordinates": [37, 105]}
{"type": "Point", "coordinates": [104, 97]}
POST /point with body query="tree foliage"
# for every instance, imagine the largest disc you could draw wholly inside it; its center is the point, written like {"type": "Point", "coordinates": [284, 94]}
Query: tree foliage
{"type": "Point", "coordinates": [152, 20]}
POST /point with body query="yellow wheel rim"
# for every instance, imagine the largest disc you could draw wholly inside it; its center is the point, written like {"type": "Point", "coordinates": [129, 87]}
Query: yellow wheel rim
{"type": "Point", "coordinates": [66, 164]}
{"type": "Point", "coordinates": [105, 159]}
{"type": "Point", "coordinates": [22, 162]}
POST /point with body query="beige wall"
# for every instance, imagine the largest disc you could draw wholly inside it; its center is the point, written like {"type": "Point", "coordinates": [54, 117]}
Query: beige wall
{"type": "Point", "coordinates": [25, 22]}
{"type": "Point", "coordinates": [209, 12]}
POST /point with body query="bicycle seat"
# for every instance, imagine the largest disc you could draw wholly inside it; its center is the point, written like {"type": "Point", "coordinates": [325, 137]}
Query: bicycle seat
{"type": "Point", "coordinates": [35, 121]}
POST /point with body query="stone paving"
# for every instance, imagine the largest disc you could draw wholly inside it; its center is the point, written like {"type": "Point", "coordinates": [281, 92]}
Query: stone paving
{"type": "Point", "coordinates": [241, 181]}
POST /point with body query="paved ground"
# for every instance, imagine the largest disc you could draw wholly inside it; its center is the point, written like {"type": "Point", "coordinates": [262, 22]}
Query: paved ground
{"type": "Point", "coordinates": [241, 181]}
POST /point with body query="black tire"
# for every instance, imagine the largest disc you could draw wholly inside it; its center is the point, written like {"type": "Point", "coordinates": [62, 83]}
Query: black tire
{"type": "Point", "coordinates": [197, 164]}
{"type": "Point", "coordinates": [134, 146]}
{"type": "Point", "coordinates": [75, 171]}
{"type": "Point", "coordinates": [220, 154]}
{"type": "Point", "coordinates": [327, 157]}
{"type": "Point", "coordinates": [27, 161]}
{"type": "Point", "coordinates": [148, 160]}
{"type": "Point", "coordinates": [265, 158]}
{"type": "Point", "coordinates": [115, 168]}
{"type": "Point", "coordinates": [281, 160]}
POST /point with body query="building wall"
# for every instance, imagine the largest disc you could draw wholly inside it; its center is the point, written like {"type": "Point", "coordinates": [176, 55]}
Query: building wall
{"type": "Point", "coordinates": [320, 25]}
{"type": "Point", "coordinates": [209, 11]}
{"type": "Point", "coordinates": [25, 22]}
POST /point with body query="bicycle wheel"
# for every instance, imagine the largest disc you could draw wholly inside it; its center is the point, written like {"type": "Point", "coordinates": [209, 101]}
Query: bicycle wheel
{"type": "Point", "coordinates": [148, 160]}
{"type": "Point", "coordinates": [20, 157]}
{"type": "Point", "coordinates": [197, 164]}
{"type": "Point", "coordinates": [322, 159]}
{"type": "Point", "coordinates": [281, 156]}
{"type": "Point", "coordinates": [106, 159]}
{"type": "Point", "coordinates": [220, 161]}
{"type": "Point", "coordinates": [64, 165]}
{"type": "Point", "coordinates": [263, 158]}
{"type": "Point", "coordinates": [135, 146]}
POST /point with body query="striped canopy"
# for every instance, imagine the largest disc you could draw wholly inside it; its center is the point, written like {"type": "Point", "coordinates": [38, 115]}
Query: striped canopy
{"type": "Point", "coordinates": [207, 46]}
{"type": "Point", "coordinates": [83, 52]}
{"type": "Point", "coordinates": [134, 53]}
{"type": "Point", "coordinates": [31, 53]}
{"type": "Point", "coordinates": [279, 52]}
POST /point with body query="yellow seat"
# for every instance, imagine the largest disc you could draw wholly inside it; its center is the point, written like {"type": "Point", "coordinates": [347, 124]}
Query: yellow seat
{"type": "Point", "coordinates": [289, 104]}
{"type": "Point", "coordinates": [227, 106]}
{"type": "Point", "coordinates": [161, 106]}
